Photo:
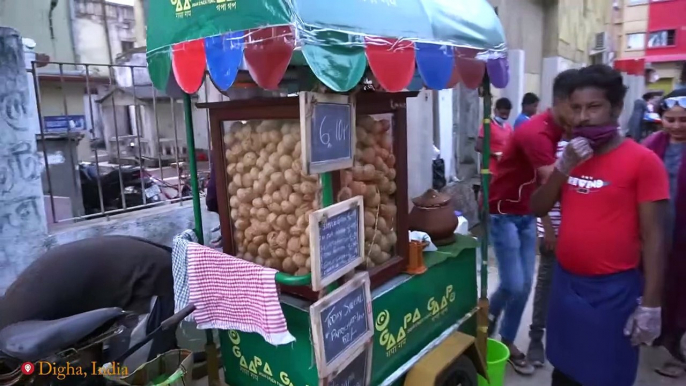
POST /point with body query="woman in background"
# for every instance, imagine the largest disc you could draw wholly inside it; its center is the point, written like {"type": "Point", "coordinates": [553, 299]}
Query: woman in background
{"type": "Point", "coordinates": [670, 146]}
{"type": "Point", "coordinates": [682, 85]}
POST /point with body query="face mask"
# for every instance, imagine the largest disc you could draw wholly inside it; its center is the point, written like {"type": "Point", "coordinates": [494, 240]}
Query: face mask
{"type": "Point", "coordinates": [596, 135]}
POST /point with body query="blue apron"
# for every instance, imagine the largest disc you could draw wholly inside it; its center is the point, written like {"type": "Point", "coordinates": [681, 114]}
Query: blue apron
{"type": "Point", "coordinates": [585, 329]}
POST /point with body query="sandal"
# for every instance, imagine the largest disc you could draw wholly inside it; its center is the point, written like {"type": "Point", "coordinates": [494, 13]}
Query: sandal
{"type": "Point", "coordinates": [672, 369]}
{"type": "Point", "coordinates": [521, 365]}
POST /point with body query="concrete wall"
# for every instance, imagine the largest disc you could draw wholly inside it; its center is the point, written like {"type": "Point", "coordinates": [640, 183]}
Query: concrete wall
{"type": "Point", "coordinates": [569, 33]}
{"type": "Point", "coordinates": [157, 121]}
{"type": "Point", "coordinates": [159, 225]}
{"type": "Point", "coordinates": [91, 36]}
{"type": "Point", "coordinates": [519, 37]}
{"type": "Point", "coordinates": [31, 19]}
{"type": "Point", "coordinates": [167, 127]}
{"type": "Point", "coordinates": [65, 180]}
{"type": "Point", "coordinates": [563, 29]}
{"type": "Point", "coordinates": [579, 22]}
{"type": "Point", "coordinates": [139, 11]}
{"type": "Point", "coordinates": [54, 97]}
{"type": "Point", "coordinates": [22, 215]}
{"type": "Point", "coordinates": [66, 99]}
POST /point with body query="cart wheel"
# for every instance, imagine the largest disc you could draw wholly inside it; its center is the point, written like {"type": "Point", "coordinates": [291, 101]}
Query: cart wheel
{"type": "Point", "coordinates": [460, 373]}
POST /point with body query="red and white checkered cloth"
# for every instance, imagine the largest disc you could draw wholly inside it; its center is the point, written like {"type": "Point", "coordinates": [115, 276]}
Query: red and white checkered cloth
{"type": "Point", "coordinates": [233, 294]}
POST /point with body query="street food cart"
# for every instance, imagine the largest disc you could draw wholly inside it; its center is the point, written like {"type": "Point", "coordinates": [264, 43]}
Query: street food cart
{"type": "Point", "coordinates": [294, 173]}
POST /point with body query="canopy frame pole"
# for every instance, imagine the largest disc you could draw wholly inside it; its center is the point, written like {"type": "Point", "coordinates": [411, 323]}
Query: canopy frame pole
{"type": "Point", "coordinates": [482, 316]}
{"type": "Point", "coordinates": [210, 347]}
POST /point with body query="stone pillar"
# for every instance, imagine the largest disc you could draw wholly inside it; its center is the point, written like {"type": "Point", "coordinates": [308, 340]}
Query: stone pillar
{"type": "Point", "coordinates": [467, 114]}
{"type": "Point", "coordinates": [140, 8]}
{"type": "Point", "coordinates": [446, 139]}
{"type": "Point", "coordinates": [29, 57]}
{"type": "Point", "coordinates": [420, 141]}
{"type": "Point", "coordinates": [466, 121]}
{"type": "Point", "coordinates": [23, 226]}
{"type": "Point", "coordinates": [515, 89]}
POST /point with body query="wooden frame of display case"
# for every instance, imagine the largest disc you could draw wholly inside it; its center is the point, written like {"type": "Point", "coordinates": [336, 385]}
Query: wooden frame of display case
{"type": "Point", "coordinates": [368, 103]}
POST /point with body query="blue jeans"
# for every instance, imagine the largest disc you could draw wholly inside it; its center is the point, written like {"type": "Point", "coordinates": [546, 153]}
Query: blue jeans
{"type": "Point", "coordinates": [514, 242]}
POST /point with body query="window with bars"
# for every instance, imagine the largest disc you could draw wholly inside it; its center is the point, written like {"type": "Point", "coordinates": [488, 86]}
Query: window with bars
{"type": "Point", "coordinates": [664, 38]}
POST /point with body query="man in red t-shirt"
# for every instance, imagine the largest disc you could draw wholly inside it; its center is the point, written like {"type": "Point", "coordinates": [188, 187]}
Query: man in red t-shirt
{"type": "Point", "coordinates": [614, 196]}
{"type": "Point", "coordinates": [528, 158]}
{"type": "Point", "coordinates": [500, 132]}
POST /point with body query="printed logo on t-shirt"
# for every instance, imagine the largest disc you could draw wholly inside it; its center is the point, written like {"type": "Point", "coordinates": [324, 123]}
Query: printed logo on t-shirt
{"type": "Point", "coordinates": [586, 184]}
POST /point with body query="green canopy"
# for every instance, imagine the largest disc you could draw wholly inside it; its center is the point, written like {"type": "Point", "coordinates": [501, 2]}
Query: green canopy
{"type": "Point", "coordinates": [333, 37]}
{"type": "Point", "coordinates": [463, 23]}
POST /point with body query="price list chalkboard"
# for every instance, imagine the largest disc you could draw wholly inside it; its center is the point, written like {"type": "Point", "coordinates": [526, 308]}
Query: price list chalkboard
{"type": "Point", "coordinates": [337, 241]}
{"type": "Point", "coordinates": [331, 134]}
{"type": "Point", "coordinates": [327, 124]}
{"type": "Point", "coordinates": [356, 373]}
{"type": "Point", "coordinates": [342, 323]}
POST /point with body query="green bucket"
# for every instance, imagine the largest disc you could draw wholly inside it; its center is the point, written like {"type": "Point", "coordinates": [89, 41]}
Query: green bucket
{"type": "Point", "coordinates": [496, 361]}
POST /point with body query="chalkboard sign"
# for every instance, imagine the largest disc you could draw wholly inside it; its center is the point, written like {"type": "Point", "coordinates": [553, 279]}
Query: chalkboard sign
{"type": "Point", "coordinates": [327, 123]}
{"type": "Point", "coordinates": [355, 373]}
{"type": "Point", "coordinates": [342, 324]}
{"type": "Point", "coordinates": [336, 241]}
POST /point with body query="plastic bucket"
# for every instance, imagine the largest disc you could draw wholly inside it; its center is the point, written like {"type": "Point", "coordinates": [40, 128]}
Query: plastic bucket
{"type": "Point", "coordinates": [496, 361]}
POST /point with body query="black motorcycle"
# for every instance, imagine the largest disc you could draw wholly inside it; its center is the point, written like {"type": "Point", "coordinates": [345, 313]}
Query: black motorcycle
{"type": "Point", "coordinates": [45, 352]}
{"type": "Point", "coordinates": [71, 350]}
{"type": "Point", "coordinates": [138, 188]}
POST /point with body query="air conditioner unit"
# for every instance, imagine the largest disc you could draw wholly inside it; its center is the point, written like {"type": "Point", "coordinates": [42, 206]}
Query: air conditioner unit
{"type": "Point", "coordinates": [600, 42]}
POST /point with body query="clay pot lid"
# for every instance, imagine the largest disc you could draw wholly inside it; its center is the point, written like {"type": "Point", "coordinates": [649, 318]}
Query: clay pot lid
{"type": "Point", "coordinates": [431, 198]}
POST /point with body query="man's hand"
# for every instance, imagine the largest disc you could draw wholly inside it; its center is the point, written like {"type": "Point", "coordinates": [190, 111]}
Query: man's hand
{"type": "Point", "coordinates": [576, 152]}
{"type": "Point", "coordinates": [644, 325]}
{"type": "Point", "coordinates": [549, 239]}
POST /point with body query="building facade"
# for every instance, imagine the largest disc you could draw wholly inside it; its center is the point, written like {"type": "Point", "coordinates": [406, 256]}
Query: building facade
{"type": "Point", "coordinates": [654, 31]}
{"type": "Point", "coordinates": [100, 39]}
{"type": "Point", "coordinates": [71, 32]}
{"type": "Point", "coordinates": [546, 37]}
{"type": "Point", "coordinates": [630, 23]}
{"type": "Point", "coordinates": [666, 41]}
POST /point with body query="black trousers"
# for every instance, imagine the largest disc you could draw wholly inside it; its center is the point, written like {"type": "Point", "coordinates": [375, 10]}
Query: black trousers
{"type": "Point", "coordinates": [165, 340]}
{"type": "Point", "coordinates": [560, 379]}
{"type": "Point", "coordinates": [544, 279]}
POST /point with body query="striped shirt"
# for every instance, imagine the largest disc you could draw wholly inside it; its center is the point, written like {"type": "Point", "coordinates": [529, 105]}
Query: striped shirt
{"type": "Point", "coordinates": [554, 213]}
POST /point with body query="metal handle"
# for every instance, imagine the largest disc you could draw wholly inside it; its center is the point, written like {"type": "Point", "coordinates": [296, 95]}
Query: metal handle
{"type": "Point", "coordinates": [295, 281]}
{"type": "Point", "coordinates": [175, 319]}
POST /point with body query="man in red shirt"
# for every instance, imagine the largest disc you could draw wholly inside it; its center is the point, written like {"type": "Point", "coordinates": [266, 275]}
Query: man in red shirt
{"type": "Point", "coordinates": [501, 131]}
{"type": "Point", "coordinates": [528, 158]}
{"type": "Point", "coordinates": [614, 198]}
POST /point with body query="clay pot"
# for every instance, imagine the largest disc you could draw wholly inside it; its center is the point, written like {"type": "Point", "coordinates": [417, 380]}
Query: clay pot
{"type": "Point", "coordinates": [433, 213]}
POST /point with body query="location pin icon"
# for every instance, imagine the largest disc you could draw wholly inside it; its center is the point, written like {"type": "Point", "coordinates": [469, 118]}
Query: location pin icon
{"type": "Point", "coordinates": [27, 368]}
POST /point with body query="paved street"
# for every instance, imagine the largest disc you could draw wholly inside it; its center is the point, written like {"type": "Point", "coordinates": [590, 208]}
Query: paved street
{"type": "Point", "coordinates": [650, 357]}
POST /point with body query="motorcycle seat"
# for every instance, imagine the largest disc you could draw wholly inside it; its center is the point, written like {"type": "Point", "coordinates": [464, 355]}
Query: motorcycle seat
{"type": "Point", "coordinates": [33, 340]}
